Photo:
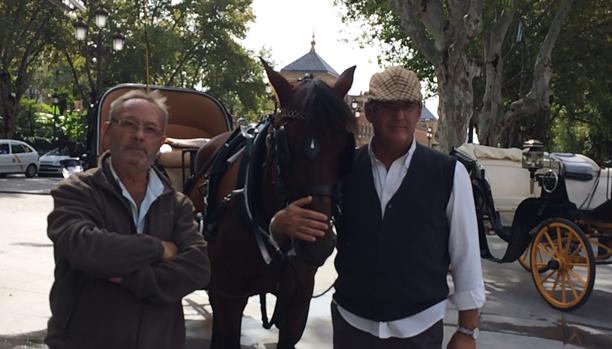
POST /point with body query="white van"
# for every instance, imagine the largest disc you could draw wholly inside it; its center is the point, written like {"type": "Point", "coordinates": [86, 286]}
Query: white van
{"type": "Point", "coordinates": [17, 157]}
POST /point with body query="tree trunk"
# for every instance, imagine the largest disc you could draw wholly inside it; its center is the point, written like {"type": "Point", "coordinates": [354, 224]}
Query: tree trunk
{"type": "Point", "coordinates": [456, 103]}
{"type": "Point", "coordinates": [442, 37]}
{"type": "Point", "coordinates": [492, 110]}
{"type": "Point", "coordinates": [7, 106]}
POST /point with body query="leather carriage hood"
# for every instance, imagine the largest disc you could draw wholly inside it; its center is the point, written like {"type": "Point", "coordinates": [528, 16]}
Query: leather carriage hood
{"type": "Point", "coordinates": [576, 167]}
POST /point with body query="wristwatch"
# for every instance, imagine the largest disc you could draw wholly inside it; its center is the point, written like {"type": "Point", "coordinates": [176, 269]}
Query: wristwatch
{"type": "Point", "coordinates": [470, 332]}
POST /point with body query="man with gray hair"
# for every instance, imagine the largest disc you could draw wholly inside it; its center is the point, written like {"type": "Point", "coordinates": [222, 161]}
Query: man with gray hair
{"type": "Point", "coordinates": [126, 246]}
{"type": "Point", "coordinates": [408, 213]}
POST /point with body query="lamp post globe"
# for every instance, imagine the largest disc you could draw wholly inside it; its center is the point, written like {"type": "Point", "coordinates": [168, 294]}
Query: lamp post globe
{"type": "Point", "coordinates": [118, 42]}
{"type": "Point", "coordinates": [80, 30]}
{"type": "Point", "coordinates": [101, 17]}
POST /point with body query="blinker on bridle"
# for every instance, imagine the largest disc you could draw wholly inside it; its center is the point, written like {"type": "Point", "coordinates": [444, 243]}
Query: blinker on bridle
{"type": "Point", "coordinates": [281, 119]}
{"type": "Point", "coordinates": [311, 148]}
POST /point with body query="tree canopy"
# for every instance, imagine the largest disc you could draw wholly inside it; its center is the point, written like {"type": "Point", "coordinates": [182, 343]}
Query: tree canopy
{"type": "Point", "coordinates": [188, 43]}
{"type": "Point", "coordinates": [27, 29]}
{"type": "Point", "coordinates": [523, 57]}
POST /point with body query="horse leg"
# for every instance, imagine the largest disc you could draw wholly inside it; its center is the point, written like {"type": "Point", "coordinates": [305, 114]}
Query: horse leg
{"type": "Point", "coordinates": [295, 297]}
{"type": "Point", "coordinates": [227, 319]}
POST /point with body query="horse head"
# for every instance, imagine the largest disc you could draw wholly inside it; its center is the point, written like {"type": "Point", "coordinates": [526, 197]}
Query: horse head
{"type": "Point", "coordinates": [313, 143]}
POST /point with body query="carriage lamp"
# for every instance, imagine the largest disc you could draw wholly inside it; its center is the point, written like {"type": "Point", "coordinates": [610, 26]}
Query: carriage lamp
{"type": "Point", "coordinates": [532, 159]}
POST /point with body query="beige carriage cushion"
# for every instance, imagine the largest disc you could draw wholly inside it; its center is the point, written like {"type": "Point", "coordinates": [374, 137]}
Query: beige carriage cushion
{"type": "Point", "coordinates": [186, 143]}
{"type": "Point", "coordinates": [478, 152]}
{"type": "Point", "coordinates": [172, 159]}
{"type": "Point", "coordinates": [174, 156]}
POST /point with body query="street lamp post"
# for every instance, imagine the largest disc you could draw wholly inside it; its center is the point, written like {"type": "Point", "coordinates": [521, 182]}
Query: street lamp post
{"type": "Point", "coordinates": [55, 120]}
{"type": "Point", "coordinates": [118, 42]}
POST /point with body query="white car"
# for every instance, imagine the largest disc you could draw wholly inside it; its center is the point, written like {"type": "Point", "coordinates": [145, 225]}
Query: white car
{"type": "Point", "coordinates": [17, 157]}
{"type": "Point", "coordinates": [50, 163]}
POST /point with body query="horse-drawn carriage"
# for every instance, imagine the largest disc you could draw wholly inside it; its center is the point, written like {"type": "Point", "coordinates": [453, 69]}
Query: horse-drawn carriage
{"type": "Point", "coordinates": [558, 230]}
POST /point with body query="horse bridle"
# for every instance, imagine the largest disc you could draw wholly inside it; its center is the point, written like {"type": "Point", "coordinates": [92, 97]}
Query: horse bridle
{"type": "Point", "coordinates": [279, 142]}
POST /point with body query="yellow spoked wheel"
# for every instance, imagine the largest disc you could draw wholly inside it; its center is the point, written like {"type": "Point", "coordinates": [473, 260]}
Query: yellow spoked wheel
{"type": "Point", "coordinates": [524, 259]}
{"type": "Point", "coordinates": [562, 264]}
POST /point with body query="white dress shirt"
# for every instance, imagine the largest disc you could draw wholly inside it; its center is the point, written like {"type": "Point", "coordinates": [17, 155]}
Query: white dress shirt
{"type": "Point", "coordinates": [463, 247]}
{"type": "Point", "coordinates": [154, 189]}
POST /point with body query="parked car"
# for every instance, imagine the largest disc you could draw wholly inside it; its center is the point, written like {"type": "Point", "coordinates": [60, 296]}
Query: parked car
{"type": "Point", "coordinates": [51, 162]}
{"type": "Point", "coordinates": [17, 157]}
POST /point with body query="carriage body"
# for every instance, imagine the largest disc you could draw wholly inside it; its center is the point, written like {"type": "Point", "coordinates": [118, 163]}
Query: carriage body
{"type": "Point", "coordinates": [556, 216]}
{"type": "Point", "coordinates": [194, 118]}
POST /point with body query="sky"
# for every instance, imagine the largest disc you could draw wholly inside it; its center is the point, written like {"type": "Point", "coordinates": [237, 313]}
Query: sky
{"type": "Point", "coordinates": [285, 28]}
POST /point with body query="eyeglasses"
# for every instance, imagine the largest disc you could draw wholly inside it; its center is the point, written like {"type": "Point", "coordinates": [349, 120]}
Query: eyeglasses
{"type": "Point", "coordinates": [133, 127]}
{"type": "Point", "coordinates": [392, 106]}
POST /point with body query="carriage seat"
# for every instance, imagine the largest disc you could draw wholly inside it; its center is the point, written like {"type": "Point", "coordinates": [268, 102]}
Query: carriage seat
{"type": "Point", "coordinates": [577, 167]}
{"type": "Point", "coordinates": [186, 143]}
{"type": "Point", "coordinates": [173, 158]}
{"type": "Point", "coordinates": [483, 152]}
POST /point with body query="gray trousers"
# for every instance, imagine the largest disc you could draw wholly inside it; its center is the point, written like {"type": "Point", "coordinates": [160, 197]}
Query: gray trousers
{"type": "Point", "coordinates": [349, 337]}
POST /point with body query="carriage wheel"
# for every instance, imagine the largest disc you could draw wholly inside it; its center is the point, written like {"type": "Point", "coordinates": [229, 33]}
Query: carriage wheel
{"type": "Point", "coordinates": [562, 264]}
{"type": "Point", "coordinates": [524, 259]}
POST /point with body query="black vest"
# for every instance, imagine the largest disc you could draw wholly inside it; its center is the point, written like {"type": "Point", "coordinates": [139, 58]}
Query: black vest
{"type": "Point", "coordinates": [395, 267]}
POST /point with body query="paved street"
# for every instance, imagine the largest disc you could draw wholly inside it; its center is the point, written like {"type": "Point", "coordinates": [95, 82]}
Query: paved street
{"type": "Point", "coordinates": [21, 185]}
{"type": "Point", "coordinates": [515, 316]}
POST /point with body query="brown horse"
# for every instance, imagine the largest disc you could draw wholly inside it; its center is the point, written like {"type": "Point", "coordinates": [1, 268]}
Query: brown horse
{"type": "Point", "coordinates": [304, 149]}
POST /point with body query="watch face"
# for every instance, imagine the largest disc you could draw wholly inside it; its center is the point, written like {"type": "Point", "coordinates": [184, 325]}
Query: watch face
{"type": "Point", "coordinates": [475, 333]}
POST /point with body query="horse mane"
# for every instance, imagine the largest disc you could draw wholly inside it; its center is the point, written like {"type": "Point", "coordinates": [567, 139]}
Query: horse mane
{"type": "Point", "coordinates": [327, 113]}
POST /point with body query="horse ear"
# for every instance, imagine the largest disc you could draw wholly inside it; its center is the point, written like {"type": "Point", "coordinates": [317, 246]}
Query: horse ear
{"type": "Point", "coordinates": [344, 82]}
{"type": "Point", "coordinates": [282, 87]}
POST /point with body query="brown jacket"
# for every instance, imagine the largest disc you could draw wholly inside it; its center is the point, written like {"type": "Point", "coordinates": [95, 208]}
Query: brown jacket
{"type": "Point", "coordinates": [95, 239]}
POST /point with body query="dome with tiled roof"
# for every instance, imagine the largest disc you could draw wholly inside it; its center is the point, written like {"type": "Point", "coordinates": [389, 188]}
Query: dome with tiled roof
{"type": "Point", "coordinates": [310, 63]}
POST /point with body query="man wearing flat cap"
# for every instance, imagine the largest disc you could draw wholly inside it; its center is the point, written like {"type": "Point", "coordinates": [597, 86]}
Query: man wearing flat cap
{"type": "Point", "coordinates": [408, 215]}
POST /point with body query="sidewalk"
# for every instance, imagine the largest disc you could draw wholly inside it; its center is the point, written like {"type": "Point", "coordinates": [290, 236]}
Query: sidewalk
{"type": "Point", "coordinates": [317, 335]}
{"type": "Point", "coordinates": [26, 274]}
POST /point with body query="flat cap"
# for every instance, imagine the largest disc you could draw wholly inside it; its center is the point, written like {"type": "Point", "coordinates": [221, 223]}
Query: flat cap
{"type": "Point", "coordinates": [395, 84]}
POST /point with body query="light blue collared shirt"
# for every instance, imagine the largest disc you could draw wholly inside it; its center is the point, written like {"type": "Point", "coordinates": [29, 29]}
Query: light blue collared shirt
{"type": "Point", "coordinates": [155, 187]}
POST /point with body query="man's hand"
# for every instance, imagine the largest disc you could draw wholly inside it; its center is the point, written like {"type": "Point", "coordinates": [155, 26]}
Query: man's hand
{"type": "Point", "coordinates": [300, 223]}
{"type": "Point", "coordinates": [461, 341]}
{"type": "Point", "coordinates": [170, 250]}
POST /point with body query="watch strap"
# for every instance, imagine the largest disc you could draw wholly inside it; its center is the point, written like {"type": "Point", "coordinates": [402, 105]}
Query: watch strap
{"type": "Point", "coordinates": [470, 332]}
